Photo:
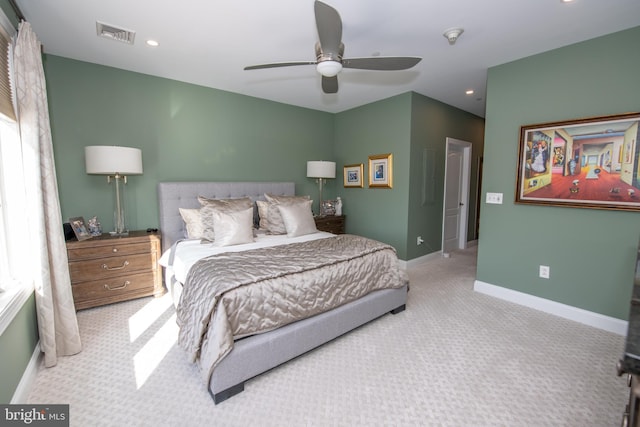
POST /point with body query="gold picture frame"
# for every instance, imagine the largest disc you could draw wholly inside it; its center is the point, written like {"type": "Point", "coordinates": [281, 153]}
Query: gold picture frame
{"type": "Point", "coordinates": [582, 163]}
{"type": "Point", "coordinates": [353, 176]}
{"type": "Point", "coordinates": [381, 171]}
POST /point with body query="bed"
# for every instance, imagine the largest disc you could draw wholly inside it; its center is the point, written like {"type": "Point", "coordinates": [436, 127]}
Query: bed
{"type": "Point", "coordinates": [250, 354]}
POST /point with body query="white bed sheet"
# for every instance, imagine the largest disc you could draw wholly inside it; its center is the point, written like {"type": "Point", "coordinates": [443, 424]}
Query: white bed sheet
{"type": "Point", "coordinates": [188, 252]}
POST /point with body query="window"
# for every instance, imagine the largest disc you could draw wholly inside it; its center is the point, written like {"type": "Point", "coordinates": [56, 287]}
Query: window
{"type": "Point", "coordinates": [15, 284]}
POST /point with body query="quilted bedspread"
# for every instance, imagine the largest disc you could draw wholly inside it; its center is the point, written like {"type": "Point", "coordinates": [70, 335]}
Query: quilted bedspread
{"type": "Point", "coordinates": [236, 294]}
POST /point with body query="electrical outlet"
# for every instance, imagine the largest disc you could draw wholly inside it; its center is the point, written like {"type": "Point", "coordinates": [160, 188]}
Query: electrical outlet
{"type": "Point", "coordinates": [545, 271]}
{"type": "Point", "coordinates": [419, 241]}
{"type": "Point", "coordinates": [494, 198]}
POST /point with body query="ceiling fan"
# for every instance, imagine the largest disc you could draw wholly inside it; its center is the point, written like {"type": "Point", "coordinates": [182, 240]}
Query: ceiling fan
{"type": "Point", "coordinates": [329, 50]}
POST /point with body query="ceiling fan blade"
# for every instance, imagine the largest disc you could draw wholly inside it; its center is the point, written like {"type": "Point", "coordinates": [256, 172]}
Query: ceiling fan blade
{"type": "Point", "coordinates": [329, 27]}
{"type": "Point", "coordinates": [382, 63]}
{"type": "Point", "coordinates": [279, 64]}
{"type": "Point", "coordinates": [330, 84]}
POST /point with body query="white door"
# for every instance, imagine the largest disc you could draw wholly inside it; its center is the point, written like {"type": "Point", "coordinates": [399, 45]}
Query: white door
{"type": "Point", "coordinates": [452, 203]}
{"type": "Point", "coordinates": [455, 211]}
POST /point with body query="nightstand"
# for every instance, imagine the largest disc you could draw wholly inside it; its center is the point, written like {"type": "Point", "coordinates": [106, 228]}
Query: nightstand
{"type": "Point", "coordinates": [330, 223]}
{"type": "Point", "coordinates": [107, 269]}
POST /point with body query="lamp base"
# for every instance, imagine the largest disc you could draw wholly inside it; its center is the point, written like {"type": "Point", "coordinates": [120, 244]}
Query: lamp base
{"type": "Point", "coordinates": [115, 233]}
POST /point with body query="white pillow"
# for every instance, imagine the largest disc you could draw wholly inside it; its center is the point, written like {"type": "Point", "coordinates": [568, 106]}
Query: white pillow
{"type": "Point", "coordinates": [298, 218]}
{"type": "Point", "coordinates": [233, 228]}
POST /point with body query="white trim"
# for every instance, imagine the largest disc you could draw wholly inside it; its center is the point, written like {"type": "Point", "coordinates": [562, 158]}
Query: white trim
{"type": "Point", "coordinates": [464, 147]}
{"type": "Point", "coordinates": [597, 320]}
{"type": "Point", "coordinates": [28, 377]}
{"type": "Point", "coordinates": [415, 261]}
{"type": "Point", "coordinates": [472, 243]}
{"type": "Point", "coordinates": [11, 302]}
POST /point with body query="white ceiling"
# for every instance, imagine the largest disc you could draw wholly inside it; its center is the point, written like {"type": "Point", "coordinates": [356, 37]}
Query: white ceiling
{"type": "Point", "coordinates": [210, 42]}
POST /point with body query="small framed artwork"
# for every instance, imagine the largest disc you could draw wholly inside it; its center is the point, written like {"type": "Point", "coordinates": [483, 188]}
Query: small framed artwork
{"type": "Point", "coordinates": [79, 228]}
{"type": "Point", "coordinates": [582, 163]}
{"type": "Point", "coordinates": [328, 208]}
{"type": "Point", "coordinates": [353, 175]}
{"type": "Point", "coordinates": [381, 171]}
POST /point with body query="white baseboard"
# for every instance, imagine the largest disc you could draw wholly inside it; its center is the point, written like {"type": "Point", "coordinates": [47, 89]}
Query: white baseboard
{"type": "Point", "coordinates": [600, 321]}
{"type": "Point", "coordinates": [28, 377]}
{"type": "Point", "coordinates": [413, 262]}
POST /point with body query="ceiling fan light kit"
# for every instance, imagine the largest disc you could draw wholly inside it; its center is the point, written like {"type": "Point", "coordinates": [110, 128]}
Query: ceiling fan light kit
{"type": "Point", "coordinates": [452, 34]}
{"type": "Point", "coordinates": [329, 68]}
{"type": "Point", "coordinates": [329, 50]}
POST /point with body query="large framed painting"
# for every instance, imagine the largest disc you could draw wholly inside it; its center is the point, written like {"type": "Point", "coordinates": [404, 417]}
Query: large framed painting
{"type": "Point", "coordinates": [584, 163]}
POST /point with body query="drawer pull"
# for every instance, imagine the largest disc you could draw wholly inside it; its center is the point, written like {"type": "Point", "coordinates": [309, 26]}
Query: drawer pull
{"type": "Point", "coordinates": [106, 267]}
{"type": "Point", "coordinates": [109, 288]}
{"type": "Point", "coordinates": [114, 250]}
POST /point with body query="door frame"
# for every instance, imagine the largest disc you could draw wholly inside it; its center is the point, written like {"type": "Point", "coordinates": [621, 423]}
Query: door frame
{"type": "Point", "coordinates": [452, 145]}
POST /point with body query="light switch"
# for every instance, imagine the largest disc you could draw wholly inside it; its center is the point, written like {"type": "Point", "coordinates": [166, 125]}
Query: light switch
{"type": "Point", "coordinates": [494, 198]}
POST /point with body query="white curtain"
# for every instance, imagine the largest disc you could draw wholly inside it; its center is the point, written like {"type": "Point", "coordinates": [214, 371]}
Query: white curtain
{"type": "Point", "coordinates": [57, 323]}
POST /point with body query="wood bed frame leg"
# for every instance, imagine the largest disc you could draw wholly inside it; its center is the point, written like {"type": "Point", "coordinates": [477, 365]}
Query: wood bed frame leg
{"type": "Point", "coordinates": [399, 309]}
{"type": "Point", "coordinates": [225, 394]}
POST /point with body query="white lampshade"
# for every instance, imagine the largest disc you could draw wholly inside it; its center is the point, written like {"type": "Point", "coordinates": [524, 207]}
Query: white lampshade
{"type": "Point", "coordinates": [321, 169]}
{"type": "Point", "coordinates": [329, 68]}
{"type": "Point", "coordinates": [112, 160]}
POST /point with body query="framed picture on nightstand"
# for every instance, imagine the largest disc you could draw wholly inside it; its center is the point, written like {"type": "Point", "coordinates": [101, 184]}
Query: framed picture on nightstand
{"type": "Point", "coordinates": [79, 228]}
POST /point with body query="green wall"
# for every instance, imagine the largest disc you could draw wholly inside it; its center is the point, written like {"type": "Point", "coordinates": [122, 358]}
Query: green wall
{"type": "Point", "coordinates": [403, 125]}
{"type": "Point", "coordinates": [431, 123]}
{"type": "Point", "coordinates": [591, 252]}
{"type": "Point", "coordinates": [9, 13]}
{"type": "Point", "coordinates": [186, 133]}
{"type": "Point", "coordinates": [17, 343]}
{"type": "Point", "coordinates": [378, 128]}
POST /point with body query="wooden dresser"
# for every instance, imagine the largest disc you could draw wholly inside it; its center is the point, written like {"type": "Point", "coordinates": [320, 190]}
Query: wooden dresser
{"type": "Point", "coordinates": [331, 223]}
{"type": "Point", "coordinates": [107, 269]}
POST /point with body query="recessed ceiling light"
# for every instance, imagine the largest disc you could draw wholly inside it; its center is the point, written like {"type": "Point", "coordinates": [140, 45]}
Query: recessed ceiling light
{"type": "Point", "coordinates": [566, 1]}
{"type": "Point", "coordinates": [469, 92]}
{"type": "Point", "coordinates": [153, 43]}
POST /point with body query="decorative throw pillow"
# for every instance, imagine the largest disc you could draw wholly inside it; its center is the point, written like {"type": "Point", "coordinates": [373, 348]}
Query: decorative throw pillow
{"type": "Point", "coordinates": [285, 199]}
{"type": "Point", "coordinates": [236, 204]}
{"type": "Point", "coordinates": [209, 206]}
{"type": "Point", "coordinates": [194, 225]}
{"type": "Point", "coordinates": [263, 214]}
{"type": "Point", "coordinates": [270, 217]}
{"type": "Point", "coordinates": [298, 218]}
{"type": "Point", "coordinates": [233, 228]}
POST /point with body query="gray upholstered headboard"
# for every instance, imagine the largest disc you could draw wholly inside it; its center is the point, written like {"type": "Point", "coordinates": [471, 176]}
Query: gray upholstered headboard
{"type": "Point", "coordinates": [174, 195]}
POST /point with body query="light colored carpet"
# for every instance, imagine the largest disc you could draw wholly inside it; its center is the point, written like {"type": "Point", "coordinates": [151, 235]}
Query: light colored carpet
{"type": "Point", "coordinates": [453, 358]}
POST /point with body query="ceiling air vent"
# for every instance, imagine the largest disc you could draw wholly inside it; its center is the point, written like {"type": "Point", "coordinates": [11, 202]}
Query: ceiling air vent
{"type": "Point", "coordinates": [114, 33]}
